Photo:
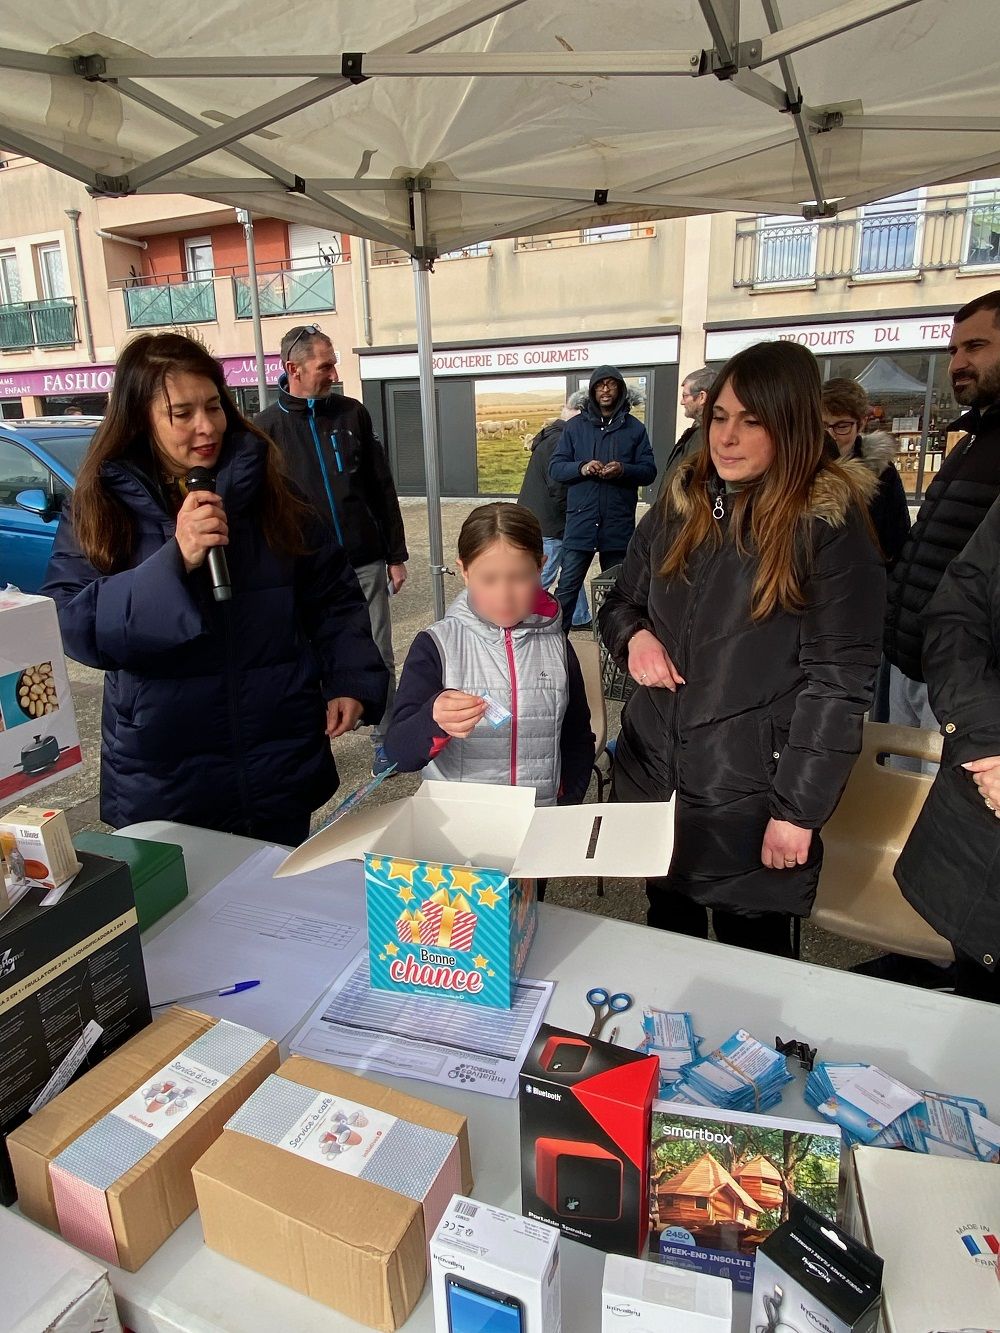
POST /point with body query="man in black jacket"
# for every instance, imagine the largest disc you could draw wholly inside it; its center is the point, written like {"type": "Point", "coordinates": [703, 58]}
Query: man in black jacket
{"type": "Point", "coordinates": [695, 389]}
{"type": "Point", "coordinates": [547, 500]}
{"type": "Point", "coordinates": [333, 455]}
{"type": "Point", "coordinates": [957, 501]}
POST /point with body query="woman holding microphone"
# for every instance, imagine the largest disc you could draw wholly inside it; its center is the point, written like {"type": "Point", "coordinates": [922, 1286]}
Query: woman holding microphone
{"type": "Point", "coordinates": [218, 711]}
{"type": "Point", "coordinates": [749, 610]}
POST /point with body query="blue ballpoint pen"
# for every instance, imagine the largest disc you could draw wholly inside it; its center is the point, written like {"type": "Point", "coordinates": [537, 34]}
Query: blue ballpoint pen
{"type": "Point", "coordinates": [208, 994]}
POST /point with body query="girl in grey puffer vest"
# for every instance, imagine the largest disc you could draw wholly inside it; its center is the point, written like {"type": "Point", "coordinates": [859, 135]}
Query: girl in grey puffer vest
{"type": "Point", "coordinates": [501, 643]}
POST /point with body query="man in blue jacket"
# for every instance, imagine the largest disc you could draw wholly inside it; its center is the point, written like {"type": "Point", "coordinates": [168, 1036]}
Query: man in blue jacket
{"type": "Point", "coordinates": [603, 458]}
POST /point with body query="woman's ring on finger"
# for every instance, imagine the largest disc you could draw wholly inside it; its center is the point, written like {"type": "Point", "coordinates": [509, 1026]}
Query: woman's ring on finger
{"type": "Point", "coordinates": [989, 804]}
{"type": "Point", "coordinates": [643, 678]}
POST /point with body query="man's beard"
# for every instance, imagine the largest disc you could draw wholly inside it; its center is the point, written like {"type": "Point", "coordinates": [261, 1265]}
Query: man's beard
{"type": "Point", "coordinates": [981, 390]}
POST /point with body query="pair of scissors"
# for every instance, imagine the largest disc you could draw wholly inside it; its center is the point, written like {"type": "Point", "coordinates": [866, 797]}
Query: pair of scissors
{"type": "Point", "coordinates": [604, 1004]}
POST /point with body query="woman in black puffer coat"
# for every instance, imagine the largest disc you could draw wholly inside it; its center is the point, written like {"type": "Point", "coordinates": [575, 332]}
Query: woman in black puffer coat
{"type": "Point", "coordinates": [749, 610]}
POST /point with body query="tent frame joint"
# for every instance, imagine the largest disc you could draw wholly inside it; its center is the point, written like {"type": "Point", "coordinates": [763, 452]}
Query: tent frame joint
{"type": "Point", "coordinates": [813, 212]}
{"type": "Point", "coordinates": [794, 107]}
{"type": "Point", "coordinates": [91, 68]}
{"type": "Point", "coordinates": [351, 67]}
{"type": "Point", "coordinates": [110, 187]}
{"type": "Point", "coordinates": [745, 56]}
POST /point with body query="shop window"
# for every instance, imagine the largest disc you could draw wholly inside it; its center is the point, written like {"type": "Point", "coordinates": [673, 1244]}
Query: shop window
{"type": "Point", "coordinates": [509, 414]}
{"type": "Point", "coordinates": [888, 234]}
{"type": "Point", "coordinates": [10, 278]}
{"type": "Point", "coordinates": [982, 226]}
{"type": "Point", "coordinates": [786, 251]}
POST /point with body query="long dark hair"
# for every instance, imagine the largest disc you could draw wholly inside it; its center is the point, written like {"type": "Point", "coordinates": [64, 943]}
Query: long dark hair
{"type": "Point", "coordinates": [104, 526]}
{"type": "Point", "coordinates": [779, 383]}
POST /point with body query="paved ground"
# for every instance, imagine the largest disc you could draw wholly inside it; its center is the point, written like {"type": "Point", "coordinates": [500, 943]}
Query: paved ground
{"type": "Point", "coordinates": [412, 610]}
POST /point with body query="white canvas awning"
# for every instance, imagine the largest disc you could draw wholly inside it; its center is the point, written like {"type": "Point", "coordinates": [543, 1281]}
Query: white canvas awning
{"type": "Point", "coordinates": [433, 124]}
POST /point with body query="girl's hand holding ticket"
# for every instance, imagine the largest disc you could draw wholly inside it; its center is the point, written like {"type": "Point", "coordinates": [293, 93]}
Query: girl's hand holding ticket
{"type": "Point", "coordinates": [457, 713]}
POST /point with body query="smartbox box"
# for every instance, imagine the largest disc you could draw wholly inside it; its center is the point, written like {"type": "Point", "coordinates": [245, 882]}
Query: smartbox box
{"type": "Point", "coordinates": [333, 1185]}
{"type": "Point", "coordinates": [936, 1223]}
{"type": "Point", "coordinates": [586, 1108]}
{"type": "Point", "coordinates": [494, 1269]}
{"type": "Point", "coordinates": [66, 970]}
{"type": "Point", "coordinates": [449, 871]}
{"type": "Point", "coordinates": [108, 1162]}
{"type": "Point", "coordinates": [48, 1287]}
{"type": "Point", "coordinates": [640, 1297]}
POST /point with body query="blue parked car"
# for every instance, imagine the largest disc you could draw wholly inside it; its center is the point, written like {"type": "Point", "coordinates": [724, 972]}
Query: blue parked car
{"type": "Point", "coordinates": [39, 460]}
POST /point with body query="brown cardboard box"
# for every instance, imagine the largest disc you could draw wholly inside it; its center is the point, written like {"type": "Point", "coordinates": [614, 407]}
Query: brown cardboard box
{"type": "Point", "coordinates": [152, 1198]}
{"type": "Point", "coordinates": [357, 1246]}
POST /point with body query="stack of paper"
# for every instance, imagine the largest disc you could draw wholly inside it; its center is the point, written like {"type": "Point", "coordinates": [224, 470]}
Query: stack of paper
{"type": "Point", "coordinates": [671, 1037]}
{"type": "Point", "coordinates": [742, 1075]}
{"type": "Point", "coordinates": [873, 1108]}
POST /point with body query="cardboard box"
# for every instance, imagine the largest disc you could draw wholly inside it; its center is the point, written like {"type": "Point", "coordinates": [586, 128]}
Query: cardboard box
{"type": "Point", "coordinates": [586, 1112]}
{"type": "Point", "coordinates": [41, 839]}
{"type": "Point", "coordinates": [66, 970]}
{"type": "Point", "coordinates": [38, 737]}
{"type": "Point", "coordinates": [450, 911]}
{"type": "Point", "coordinates": [640, 1297]}
{"type": "Point", "coordinates": [48, 1287]}
{"type": "Point", "coordinates": [812, 1275]}
{"type": "Point", "coordinates": [159, 880]}
{"type": "Point", "coordinates": [494, 1269]}
{"type": "Point", "coordinates": [717, 1192]}
{"type": "Point", "coordinates": [108, 1162]}
{"type": "Point", "coordinates": [304, 1187]}
{"type": "Point", "coordinates": [936, 1223]}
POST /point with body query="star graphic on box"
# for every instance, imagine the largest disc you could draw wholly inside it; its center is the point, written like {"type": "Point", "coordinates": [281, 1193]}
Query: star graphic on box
{"type": "Point", "coordinates": [464, 878]}
{"type": "Point", "coordinates": [434, 876]}
{"type": "Point", "coordinates": [392, 949]}
{"type": "Point", "coordinates": [406, 894]}
{"type": "Point", "coordinates": [404, 870]}
{"type": "Point", "coordinates": [488, 898]}
{"type": "Point", "coordinates": [479, 960]}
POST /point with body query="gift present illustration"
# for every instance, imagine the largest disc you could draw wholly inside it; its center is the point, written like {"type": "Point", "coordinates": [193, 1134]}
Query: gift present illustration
{"type": "Point", "coordinates": [450, 920]}
{"type": "Point", "coordinates": [412, 927]}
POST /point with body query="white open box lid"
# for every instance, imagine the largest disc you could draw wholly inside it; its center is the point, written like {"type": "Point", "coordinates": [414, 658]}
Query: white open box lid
{"type": "Point", "coordinates": [499, 828]}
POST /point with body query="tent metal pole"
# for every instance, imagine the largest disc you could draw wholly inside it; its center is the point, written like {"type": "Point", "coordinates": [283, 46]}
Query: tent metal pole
{"type": "Point", "coordinates": [244, 217]}
{"type": "Point", "coordinates": [794, 103]}
{"type": "Point", "coordinates": [428, 416]}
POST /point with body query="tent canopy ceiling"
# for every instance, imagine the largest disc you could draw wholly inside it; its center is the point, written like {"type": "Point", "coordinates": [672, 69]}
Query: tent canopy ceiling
{"type": "Point", "coordinates": [467, 121]}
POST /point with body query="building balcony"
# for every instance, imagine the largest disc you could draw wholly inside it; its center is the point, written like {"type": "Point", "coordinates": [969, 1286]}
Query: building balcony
{"type": "Point", "coordinates": [288, 291]}
{"type": "Point", "coordinates": [949, 233]}
{"type": "Point", "coordinates": [25, 324]}
{"type": "Point", "coordinates": [285, 288]}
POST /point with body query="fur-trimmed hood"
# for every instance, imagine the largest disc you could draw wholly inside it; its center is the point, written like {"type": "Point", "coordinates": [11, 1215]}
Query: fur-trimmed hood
{"type": "Point", "coordinates": [829, 500]}
{"type": "Point", "coordinates": [876, 450]}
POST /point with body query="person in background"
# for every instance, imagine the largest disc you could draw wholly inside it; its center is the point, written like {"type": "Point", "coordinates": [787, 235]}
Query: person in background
{"type": "Point", "coordinates": [216, 713]}
{"type": "Point", "coordinates": [845, 410]}
{"type": "Point", "coordinates": [501, 641]}
{"type": "Point", "coordinates": [749, 612]}
{"type": "Point", "coordinates": [547, 501]}
{"type": "Point", "coordinates": [947, 870]}
{"type": "Point", "coordinates": [74, 410]}
{"type": "Point", "coordinates": [956, 502]}
{"type": "Point", "coordinates": [332, 453]}
{"type": "Point", "coordinates": [603, 457]}
{"type": "Point", "coordinates": [695, 389]}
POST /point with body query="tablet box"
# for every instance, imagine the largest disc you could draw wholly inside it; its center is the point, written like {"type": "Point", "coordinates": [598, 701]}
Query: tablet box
{"type": "Point", "coordinates": [641, 1297]}
{"type": "Point", "coordinates": [108, 1162]}
{"type": "Point", "coordinates": [48, 1287]}
{"type": "Point", "coordinates": [586, 1113]}
{"type": "Point", "coordinates": [42, 838]}
{"type": "Point", "coordinates": [494, 1269]}
{"type": "Point", "coordinates": [157, 870]}
{"type": "Point", "coordinates": [810, 1274]}
{"type": "Point", "coordinates": [936, 1223]}
{"type": "Point", "coordinates": [61, 968]}
{"type": "Point", "coordinates": [39, 742]}
{"type": "Point", "coordinates": [333, 1185]}
{"type": "Point", "coordinates": [451, 905]}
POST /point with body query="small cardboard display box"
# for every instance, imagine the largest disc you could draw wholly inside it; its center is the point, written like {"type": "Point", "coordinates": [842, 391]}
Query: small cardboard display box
{"type": "Point", "coordinates": [936, 1223]}
{"type": "Point", "coordinates": [108, 1162]}
{"type": "Point", "coordinates": [47, 1287]}
{"type": "Point", "coordinates": [39, 742]}
{"type": "Point", "coordinates": [333, 1185]}
{"type": "Point", "coordinates": [449, 878]}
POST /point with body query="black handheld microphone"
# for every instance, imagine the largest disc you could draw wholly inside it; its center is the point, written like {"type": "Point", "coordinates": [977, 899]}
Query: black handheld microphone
{"type": "Point", "coordinates": [200, 479]}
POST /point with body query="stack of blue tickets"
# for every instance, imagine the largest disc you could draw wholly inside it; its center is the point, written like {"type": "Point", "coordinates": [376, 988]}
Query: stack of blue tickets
{"type": "Point", "coordinates": [742, 1075]}
{"type": "Point", "coordinates": [671, 1037]}
{"type": "Point", "coordinates": [873, 1108]}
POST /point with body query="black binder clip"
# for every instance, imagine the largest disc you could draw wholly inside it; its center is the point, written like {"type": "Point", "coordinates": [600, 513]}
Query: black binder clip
{"type": "Point", "coordinates": [798, 1050]}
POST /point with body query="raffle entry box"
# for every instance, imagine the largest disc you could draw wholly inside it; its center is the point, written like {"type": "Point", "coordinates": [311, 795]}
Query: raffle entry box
{"type": "Point", "coordinates": [449, 878]}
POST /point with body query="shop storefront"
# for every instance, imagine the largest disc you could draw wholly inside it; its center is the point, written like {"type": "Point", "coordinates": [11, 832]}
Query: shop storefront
{"type": "Point", "coordinates": [900, 359]}
{"type": "Point", "coordinates": [492, 399]}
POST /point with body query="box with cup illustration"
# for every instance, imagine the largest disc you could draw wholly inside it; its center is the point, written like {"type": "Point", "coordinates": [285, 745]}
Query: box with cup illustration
{"type": "Point", "coordinates": [449, 878]}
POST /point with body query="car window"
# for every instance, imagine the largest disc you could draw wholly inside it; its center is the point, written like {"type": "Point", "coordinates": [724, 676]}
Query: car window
{"type": "Point", "coordinates": [20, 471]}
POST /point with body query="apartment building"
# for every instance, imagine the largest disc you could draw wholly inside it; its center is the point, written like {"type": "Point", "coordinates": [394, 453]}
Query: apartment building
{"type": "Point", "coordinates": [518, 323]}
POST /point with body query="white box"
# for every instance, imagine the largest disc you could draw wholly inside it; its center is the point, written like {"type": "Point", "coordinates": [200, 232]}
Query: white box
{"type": "Point", "coordinates": [656, 1298]}
{"type": "Point", "coordinates": [497, 1269]}
{"type": "Point", "coordinates": [47, 1287]}
{"type": "Point", "coordinates": [39, 742]}
{"type": "Point", "coordinates": [936, 1223]}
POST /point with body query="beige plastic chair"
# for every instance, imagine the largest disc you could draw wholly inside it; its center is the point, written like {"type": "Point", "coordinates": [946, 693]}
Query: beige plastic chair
{"type": "Point", "coordinates": [857, 896]}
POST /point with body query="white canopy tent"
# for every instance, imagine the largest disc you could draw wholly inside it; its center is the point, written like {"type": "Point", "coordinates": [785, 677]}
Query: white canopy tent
{"type": "Point", "coordinates": [432, 124]}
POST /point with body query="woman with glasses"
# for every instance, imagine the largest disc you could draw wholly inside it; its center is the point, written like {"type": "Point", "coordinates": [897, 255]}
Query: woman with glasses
{"type": "Point", "coordinates": [845, 411]}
